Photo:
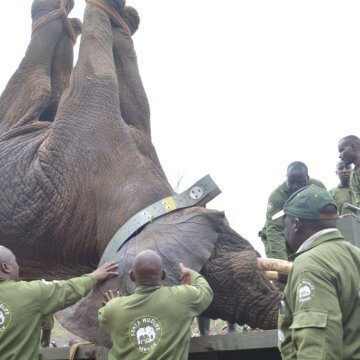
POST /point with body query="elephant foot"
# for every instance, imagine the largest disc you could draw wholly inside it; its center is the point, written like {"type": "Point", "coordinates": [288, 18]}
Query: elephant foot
{"type": "Point", "coordinates": [76, 25]}
{"type": "Point", "coordinates": [128, 13]}
{"type": "Point", "coordinates": [131, 17]}
{"type": "Point", "coordinates": [41, 8]}
{"type": "Point", "coordinates": [118, 5]}
{"type": "Point", "coordinates": [121, 16]}
{"type": "Point", "coordinates": [44, 12]}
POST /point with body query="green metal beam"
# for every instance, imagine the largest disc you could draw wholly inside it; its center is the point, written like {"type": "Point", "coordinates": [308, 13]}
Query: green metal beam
{"type": "Point", "coordinates": [252, 345]}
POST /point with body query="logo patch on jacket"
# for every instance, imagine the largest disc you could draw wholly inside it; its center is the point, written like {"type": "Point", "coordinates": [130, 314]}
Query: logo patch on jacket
{"type": "Point", "coordinates": [305, 291]}
{"type": "Point", "coordinates": [145, 333]}
{"type": "Point", "coordinates": [5, 316]}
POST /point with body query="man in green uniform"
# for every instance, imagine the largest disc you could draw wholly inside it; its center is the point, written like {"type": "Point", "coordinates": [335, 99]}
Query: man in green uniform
{"type": "Point", "coordinates": [154, 322]}
{"type": "Point", "coordinates": [342, 193]}
{"type": "Point", "coordinates": [320, 314]}
{"type": "Point", "coordinates": [23, 305]}
{"type": "Point", "coordinates": [349, 153]}
{"type": "Point", "coordinates": [273, 233]}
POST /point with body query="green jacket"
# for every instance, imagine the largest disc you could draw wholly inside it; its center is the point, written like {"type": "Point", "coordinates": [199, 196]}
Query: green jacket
{"type": "Point", "coordinates": [320, 315]}
{"type": "Point", "coordinates": [22, 307]}
{"type": "Point", "coordinates": [355, 186]}
{"type": "Point", "coordinates": [275, 246]}
{"type": "Point", "coordinates": [155, 322]}
{"type": "Point", "coordinates": [341, 195]}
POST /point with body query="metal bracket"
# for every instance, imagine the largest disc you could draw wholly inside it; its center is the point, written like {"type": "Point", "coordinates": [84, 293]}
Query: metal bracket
{"type": "Point", "coordinates": [199, 194]}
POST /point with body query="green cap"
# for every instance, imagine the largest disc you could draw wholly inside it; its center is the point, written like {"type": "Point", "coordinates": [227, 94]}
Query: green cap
{"type": "Point", "coordinates": [307, 204]}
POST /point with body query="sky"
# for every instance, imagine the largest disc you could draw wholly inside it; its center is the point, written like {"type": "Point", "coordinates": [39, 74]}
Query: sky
{"type": "Point", "coordinates": [237, 89]}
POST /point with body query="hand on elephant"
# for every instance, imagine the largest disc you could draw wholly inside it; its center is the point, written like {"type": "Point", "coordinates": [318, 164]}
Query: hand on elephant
{"type": "Point", "coordinates": [105, 270]}
{"type": "Point", "coordinates": [185, 274]}
{"type": "Point", "coordinates": [111, 294]}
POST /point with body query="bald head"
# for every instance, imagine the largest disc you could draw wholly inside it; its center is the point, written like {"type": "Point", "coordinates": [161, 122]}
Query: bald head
{"type": "Point", "coordinates": [148, 269]}
{"type": "Point", "coordinates": [9, 269]}
{"type": "Point", "coordinates": [351, 139]}
{"type": "Point", "coordinates": [297, 176]}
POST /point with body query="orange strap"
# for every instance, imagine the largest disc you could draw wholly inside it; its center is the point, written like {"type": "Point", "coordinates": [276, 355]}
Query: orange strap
{"type": "Point", "coordinates": [53, 15]}
{"type": "Point", "coordinates": [113, 14]}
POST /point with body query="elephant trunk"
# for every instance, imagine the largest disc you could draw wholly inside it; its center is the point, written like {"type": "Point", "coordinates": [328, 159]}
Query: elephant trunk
{"type": "Point", "coordinates": [242, 293]}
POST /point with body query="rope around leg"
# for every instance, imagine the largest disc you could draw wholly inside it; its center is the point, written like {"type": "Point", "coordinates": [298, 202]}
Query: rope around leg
{"type": "Point", "coordinates": [53, 15]}
{"type": "Point", "coordinates": [112, 13]}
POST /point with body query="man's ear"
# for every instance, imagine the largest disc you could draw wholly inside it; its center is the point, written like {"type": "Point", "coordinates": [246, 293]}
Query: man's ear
{"type": "Point", "coordinates": [5, 268]}
{"type": "Point", "coordinates": [132, 276]}
{"type": "Point", "coordinates": [297, 224]}
{"type": "Point", "coordinates": [163, 277]}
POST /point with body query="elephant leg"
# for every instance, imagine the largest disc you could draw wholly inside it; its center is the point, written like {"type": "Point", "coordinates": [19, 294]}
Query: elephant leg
{"type": "Point", "coordinates": [61, 68]}
{"type": "Point", "coordinates": [29, 89]}
{"type": "Point", "coordinates": [241, 293]}
{"type": "Point", "coordinates": [89, 107]}
{"type": "Point", "coordinates": [45, 338]}
{"type": "Point", "coordinates": [134, 104]}
{"type": "Point", "coordinates": [204, 325]}
{"type": "Point", "coordinates": [231, 328]}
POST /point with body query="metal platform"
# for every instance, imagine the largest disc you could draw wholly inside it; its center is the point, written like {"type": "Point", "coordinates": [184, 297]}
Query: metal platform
{"type": "Point", "coordinates": [253, 345]}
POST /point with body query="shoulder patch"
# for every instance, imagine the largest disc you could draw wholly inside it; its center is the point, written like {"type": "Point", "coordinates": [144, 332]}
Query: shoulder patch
{"type": "Point", "coordinates": [305, 291]}
{"type": "Point", "coordinates": [5, 316]}
{"type": "Point", "coordinates": [145, 333]}
{"type": "Point", "coordinates": [270, 206]}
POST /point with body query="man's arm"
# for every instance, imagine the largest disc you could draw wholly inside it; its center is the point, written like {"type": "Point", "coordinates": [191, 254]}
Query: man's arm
{"type": "Point", "coordinates": [276, 247]}
{"type": "Point", "coordinates": [198, 292]}
{"type": "Point", "coordinates": [316, 328]}
{"type": "Point", "coordinates": [355, 187]}
{"type": "Point", "coordinates": [57, 295]}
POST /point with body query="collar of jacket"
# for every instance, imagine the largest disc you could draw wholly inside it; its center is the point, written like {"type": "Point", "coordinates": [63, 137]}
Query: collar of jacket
{"type": "Point", "coordinates": [343, 187]}
{"type": "Point", "coordinates": [147, 289]}
{"type": "Point", "coordinates": [321, 238]}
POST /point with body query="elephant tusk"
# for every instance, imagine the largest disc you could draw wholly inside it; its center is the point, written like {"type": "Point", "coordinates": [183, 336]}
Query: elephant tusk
{"type": "Point", "coordinates": [273, 265]}
{"type": "Point", "coordinates": [272, 275]}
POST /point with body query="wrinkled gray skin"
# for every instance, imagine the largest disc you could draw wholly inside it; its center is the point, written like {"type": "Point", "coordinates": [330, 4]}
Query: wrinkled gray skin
{"type": "Point", "coordinates": [76, 162]}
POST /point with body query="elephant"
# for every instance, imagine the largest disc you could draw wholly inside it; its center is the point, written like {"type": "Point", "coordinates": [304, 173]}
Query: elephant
{"type": "Point", "coordinates": [146, 335]}
{"type": "Point", "coordinates": [77, 162]}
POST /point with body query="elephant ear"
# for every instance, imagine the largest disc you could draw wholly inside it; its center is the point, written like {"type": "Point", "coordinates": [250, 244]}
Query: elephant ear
{"type": "Point", "coordinates": [188, 236]}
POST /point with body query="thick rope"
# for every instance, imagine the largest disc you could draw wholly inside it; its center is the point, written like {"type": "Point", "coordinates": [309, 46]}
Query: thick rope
{"type": "Point", "coordinates": [112, 13]}
{"type": "Point", "coordinates": [53, 15]}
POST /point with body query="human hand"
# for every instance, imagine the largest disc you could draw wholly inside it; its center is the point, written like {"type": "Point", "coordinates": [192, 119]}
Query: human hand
{"type": "Point", "coordinates": [185, 274]}
{"type": "Point", "coordinates": [111, 294]}
{"type": "Point", "coordinates": [105, 270]}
